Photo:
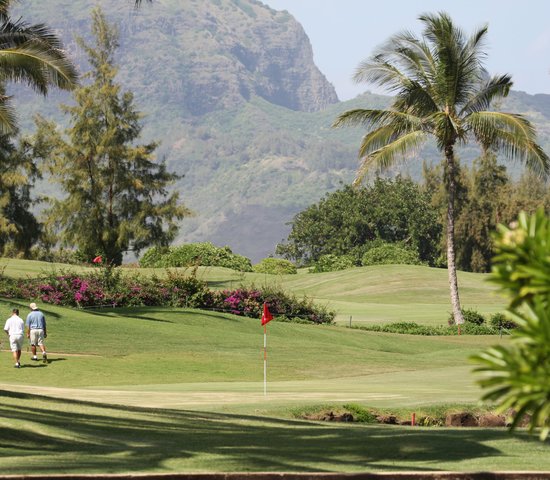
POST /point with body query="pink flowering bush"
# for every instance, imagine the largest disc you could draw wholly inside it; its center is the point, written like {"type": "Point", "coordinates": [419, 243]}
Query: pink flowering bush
{"type": "Point", "coordinates": [112, 289]}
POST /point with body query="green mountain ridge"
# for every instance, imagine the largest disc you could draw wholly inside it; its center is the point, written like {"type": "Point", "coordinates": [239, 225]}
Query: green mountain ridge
{"type": "Point", "coordinates": [230, 89]}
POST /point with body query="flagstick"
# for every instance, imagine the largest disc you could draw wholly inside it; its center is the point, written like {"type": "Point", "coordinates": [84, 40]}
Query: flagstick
{"type": "Point", "coordinates": [265, 360]}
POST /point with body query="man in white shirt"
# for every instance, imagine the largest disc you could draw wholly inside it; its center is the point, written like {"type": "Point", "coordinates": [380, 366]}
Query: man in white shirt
{"type": "Point", "coordinates": [15, 329]}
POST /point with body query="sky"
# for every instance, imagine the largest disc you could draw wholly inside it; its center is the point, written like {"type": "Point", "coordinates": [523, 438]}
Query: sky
{"type": "Point", "coordinates": [345, 32]}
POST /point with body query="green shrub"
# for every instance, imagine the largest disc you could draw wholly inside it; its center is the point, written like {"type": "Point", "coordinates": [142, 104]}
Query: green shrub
{"type": "Point", "coordinates": [192, 254]}
{"type": "Point", "coordinates": [153, 257]}
{"type": "Point", "coordinates": [411, 328]}
{"type": "Point", "coordinates": [60, 255]}
{"type": "Point", "coordinates": [390, 254]}
{"type": "Point", "coordinates": [470, 316]}
{"type": "Point", "coordinates": [500, 320]}
{"type": "Point", "coordinates": [360, 414]}
{"type": "Point", "coordinates": [106, 286]}
{"type": "Point", "coordinates": [332, 263]}
{"type": "Point", "coordinates": [275, 266]}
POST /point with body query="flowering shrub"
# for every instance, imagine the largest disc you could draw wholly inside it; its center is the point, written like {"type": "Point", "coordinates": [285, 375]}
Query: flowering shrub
{"type": "Point", "coordinates": [108, 288]}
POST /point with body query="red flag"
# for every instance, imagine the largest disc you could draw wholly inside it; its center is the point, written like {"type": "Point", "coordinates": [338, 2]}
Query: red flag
{"type": "Point", "coordinates": [266, 316]}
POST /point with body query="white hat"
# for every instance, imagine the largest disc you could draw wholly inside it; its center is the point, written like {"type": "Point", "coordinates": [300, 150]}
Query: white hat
{"type": "Point", "coordinates": [33, 306]}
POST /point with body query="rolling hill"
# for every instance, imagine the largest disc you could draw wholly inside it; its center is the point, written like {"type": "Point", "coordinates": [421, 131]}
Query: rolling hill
{"type": "Point", "coordinates": [376, 294]}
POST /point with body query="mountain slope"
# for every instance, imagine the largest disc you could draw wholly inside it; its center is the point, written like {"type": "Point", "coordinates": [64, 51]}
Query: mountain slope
{"type": "Point", "coordinates": [230, 89]}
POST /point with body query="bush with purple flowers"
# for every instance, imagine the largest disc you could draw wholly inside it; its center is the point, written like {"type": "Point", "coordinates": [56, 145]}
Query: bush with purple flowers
{"type": "Point", "coordinates": [176, 289]}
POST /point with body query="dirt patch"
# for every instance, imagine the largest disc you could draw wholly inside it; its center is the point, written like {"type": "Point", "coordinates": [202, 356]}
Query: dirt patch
{"type": "Point", "coordinates": [453, 419]}
{"type": "Point", "coordinates": [330, 417]}
{"type": "Point", "coordinates": [462, 419]}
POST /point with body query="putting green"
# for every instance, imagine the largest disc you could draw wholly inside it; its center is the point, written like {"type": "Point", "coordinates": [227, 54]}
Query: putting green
{"type": "Point", "coordinates": [403, 389]}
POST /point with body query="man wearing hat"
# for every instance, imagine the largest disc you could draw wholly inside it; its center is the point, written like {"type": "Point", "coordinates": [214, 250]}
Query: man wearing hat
{"type": "Point", "coordinates": [15, 328]}
{"type": "Point", "coordinates": [36, 331]}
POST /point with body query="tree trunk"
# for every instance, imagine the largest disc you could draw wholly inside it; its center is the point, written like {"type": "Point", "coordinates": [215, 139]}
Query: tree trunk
{"type": "Point", "coordinates": [451, 266]}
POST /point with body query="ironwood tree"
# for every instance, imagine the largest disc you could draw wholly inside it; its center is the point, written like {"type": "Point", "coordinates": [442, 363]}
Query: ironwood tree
{"type": "Point", "coordinates": [19, 228]}
{"type": "Point", "coordinates": [115, 192]}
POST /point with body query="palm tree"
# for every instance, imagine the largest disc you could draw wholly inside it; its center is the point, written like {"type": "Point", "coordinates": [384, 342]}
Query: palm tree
{"type": "Point", "coordinates": [441, 90]}
{"type": "Point", "coordinates": [30, 54]}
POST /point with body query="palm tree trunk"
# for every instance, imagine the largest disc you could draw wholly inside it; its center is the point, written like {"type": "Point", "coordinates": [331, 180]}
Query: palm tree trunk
{"type": "Point", "coordinates": [451, 266]}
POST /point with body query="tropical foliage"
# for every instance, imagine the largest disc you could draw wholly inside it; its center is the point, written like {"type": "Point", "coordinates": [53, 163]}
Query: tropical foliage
{"type": "Point", "coordinates": [107, 287]}
{"type": "Point", "coordinates": [19, 229]}
{"type": "Point", "coordinates": [442, 90]}
{"type": "Point", "coordinates": [517, 374]}
{"type": "Point", "coordinates": [30, 54]}
{"type": "Point", "coordinates": [412, 328]}
{"type": "Point", "coordinates": [390, 254]}
{"type": "Point", "coordinates": [332, 263]}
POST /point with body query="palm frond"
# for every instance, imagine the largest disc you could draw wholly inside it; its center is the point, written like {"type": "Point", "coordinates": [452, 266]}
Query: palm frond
{"type": "Point", "coordinates": [8, 120]}
{"type": "Point", "coordinates": [511, 134]}
{"type": "Point", "coordinates": [372, 118]}
{"type": "Point", "coordinates": [13, 34]}
{"type": "Point", "coordinates": [496, 87]}
{"type": "Point", "coordinates": [4, 7]}
{"type": "Point", "coordinates": [416, 100]}
{"type": "Point", "coordinates": [396, 147]}
{"type": "Point", "coordinates": [38, 66]}
{"type": "Point", "coordinates": [34, 54]}
{"type": "Point", "coordinates": [422, 53]}
{"type": "Point", "coordinates": [446, 129]}
{"type": "Point", "coordinates": [380, 72]}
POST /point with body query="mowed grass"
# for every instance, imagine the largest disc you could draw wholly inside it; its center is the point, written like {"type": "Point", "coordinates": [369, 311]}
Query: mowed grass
{"type": "Point", "coordinates": [115, 347]}
{"type": "Point", "coordinates": [377, 294]}
{"type": "Point", "coordinates": [174, 390]}
{"type": "Point", "coordinates": [52, 436]}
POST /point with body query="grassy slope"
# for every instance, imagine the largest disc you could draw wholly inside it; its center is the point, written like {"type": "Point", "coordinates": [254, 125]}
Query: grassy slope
{"type": "Point", "coordinates": [144, 346]}
{"type": "Point", "coordinates": [378, 294]}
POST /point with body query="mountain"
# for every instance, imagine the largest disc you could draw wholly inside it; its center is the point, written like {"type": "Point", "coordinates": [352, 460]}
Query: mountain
{"type": "Point", "coordinates": [230, 89]}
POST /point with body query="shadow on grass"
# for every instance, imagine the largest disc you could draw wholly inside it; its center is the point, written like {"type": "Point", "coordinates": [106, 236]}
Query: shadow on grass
{"type": "Point", "coordinates": [75, 437]}
{"type": "Point", "coordinates": [24, 309]}
{"type": "Point", "coordinates": [144, 313]}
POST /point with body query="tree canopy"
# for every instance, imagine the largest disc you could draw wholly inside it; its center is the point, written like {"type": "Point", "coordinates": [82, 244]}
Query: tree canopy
{"type": "Point", "coordinates": [351, 220]}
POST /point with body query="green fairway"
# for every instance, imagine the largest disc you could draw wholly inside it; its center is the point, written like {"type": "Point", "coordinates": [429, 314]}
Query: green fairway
{"type": "Point", "coordinates": [166, 389]}
{"type": "Point", "coordinates": [141, 345]}
{"type": "Point", "coordinates": [163, 390]}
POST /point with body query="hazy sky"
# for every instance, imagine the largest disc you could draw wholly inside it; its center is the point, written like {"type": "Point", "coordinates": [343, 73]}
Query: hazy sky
{"type": "Point", "coordinates": [344, 32]}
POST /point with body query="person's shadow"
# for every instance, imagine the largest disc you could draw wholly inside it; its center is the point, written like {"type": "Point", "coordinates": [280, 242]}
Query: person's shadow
{"type": "Point", "coordinates": [40, 363]}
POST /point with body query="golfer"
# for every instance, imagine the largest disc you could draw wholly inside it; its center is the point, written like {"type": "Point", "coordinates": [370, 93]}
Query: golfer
{"type": "Point", "coordinates": [15, 328]}
{"type": "Point", "coordinates": [36, 331]}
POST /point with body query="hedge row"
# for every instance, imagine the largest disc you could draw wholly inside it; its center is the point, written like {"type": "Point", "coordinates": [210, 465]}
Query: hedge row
{"type": "Point", "coordinates": [411, 328]}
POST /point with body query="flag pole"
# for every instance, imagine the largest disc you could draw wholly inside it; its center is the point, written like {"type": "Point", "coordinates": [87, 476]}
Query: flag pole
{"type": "Point", "coordinates": [265, 360]}
{"type": "Point", "coordinates": [266, 317]}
